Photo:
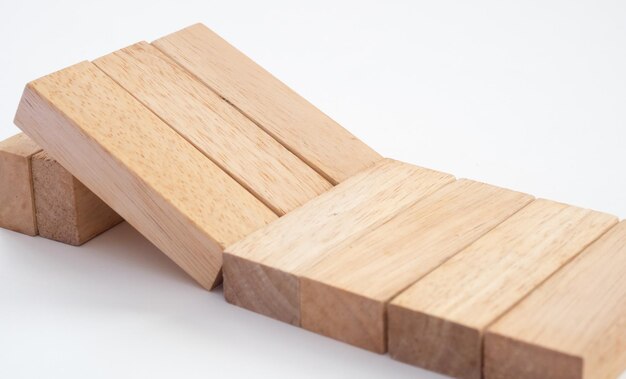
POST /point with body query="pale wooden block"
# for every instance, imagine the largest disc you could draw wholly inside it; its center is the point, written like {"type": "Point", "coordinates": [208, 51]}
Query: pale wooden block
{"type": "Point", "coordinates": [438, 322]}
{"type": "Point", "coordinates": [66, 210]}
{"type": "Point", "coordinates": [261, 271]}
{"type": "Point", "coordinates": [572, 326]}
{"type": "Point", "coordinates": [17, 206]}
{"type": "Point", "coordinates": [285, 115]}
{"type": "Point", "coordinates": [263, 166]}
{"type": "Point", "coordinates": [150, 175]}
{"type": "Point", "coordinates": [344, 296]}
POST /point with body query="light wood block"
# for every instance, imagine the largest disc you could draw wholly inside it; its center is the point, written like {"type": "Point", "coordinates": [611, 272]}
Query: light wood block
{"type": "Point", "coordinates": [252, 157]}
{"type": "Point", "coordinates": [438, 322]}
{"type": "Point", "coordinates": [344, 296]}
{"type": "Point", "coordinates": [261, 272]}
{"type": "Point", "coordinates": [573, 326]}
{"type": "Point", "coordinates": [17, 205]}
{"type": "Point", "coordinates": [66, 210]}
{"type": "Point", "coordinates": [298, 125]}
{"type": "Point", "coordinates": [150, 175]}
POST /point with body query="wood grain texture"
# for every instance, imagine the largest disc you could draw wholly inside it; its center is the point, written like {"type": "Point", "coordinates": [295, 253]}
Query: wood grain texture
{"type": "Point", "coordinates": [572, 326]}
{"type": "Point", "coordinates": [66, 210]}
{"type": "Point", "coordinates": [438, 322]}
{"type": "Point", "coordinates": [344, 296]}
{"type": "Point", "coordinates": [259, 163]}
{"type": "Point", "coordinates": [17, 206]}
{"type": "Point", "coordinates": [298, 125]}
{"type": "Point", "coordinates": [261, 271]}
{"type": "Point", "coordinates": [156, 180]}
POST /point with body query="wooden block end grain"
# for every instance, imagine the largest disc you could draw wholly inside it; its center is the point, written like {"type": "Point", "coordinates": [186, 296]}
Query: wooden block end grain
{"type": "Point", "coordinates": [262, 289]}
{"type": "Point", "coordinates": [17, 206]}
{"type": "Point", "coordinates": [66, 210]}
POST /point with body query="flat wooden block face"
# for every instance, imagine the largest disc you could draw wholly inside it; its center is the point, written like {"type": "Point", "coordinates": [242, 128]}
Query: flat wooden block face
{"type": "Point", "coordinates": [573, 325]}
{"type": "Point", "coordinates": [17, 210]}
{"type": "Point", "coordinates": [362, 273]}
{"type": "Point", "coordinates": [290, 119]}
{"type": "Point", "coordinates": [270, 260]}
{"type": "Point", "coordinates": [66, 210]}
{"type": "Point", "coordinates": [258, 162]}
{"type": "Point", "coordinates": [438, 322]}
{"type": "Point", "coordinates": [155, 179]}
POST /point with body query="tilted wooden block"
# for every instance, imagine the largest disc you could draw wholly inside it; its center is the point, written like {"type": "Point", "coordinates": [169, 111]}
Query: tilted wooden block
{"type": "Point", "coordinates": [17, 204]}
{"type": "Point", "coordinates": [150, 175]}
{"type": "Point", "coordinates": [345, 295]}
{"type": "Point", "coordinates": [262, 271]}
{"type": "Point", "coordinates": [258, 162]}
{"type": "Point", "coordinates": [438, 322]}
{"type": "Point", "coordinates": [572, 326]}
{"type": "Point", "coordinates": [290, 119]}
{"type": "Point", "coordinates": [66, 210]}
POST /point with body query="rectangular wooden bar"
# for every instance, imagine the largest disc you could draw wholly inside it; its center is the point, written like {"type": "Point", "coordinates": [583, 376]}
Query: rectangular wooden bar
{"type": "Point", "coordinates": [438, 322]}
{"type": "Point", "coordinates": [150, 175]}
{"type": "Point", "coordinates": [573, 326]}
{"type": "Point", "coordinates": [261, 272]}
{"type": "Point", "coordinates": [17, 204]}
{"type": "Point", "coordinates": [345, 295]}
{"type": "Point", "coordinates": [303, 129]}
{"type": "Point", "coordinates": [259, 163]}
{"type": "Point", "coordinates": [66, 210]}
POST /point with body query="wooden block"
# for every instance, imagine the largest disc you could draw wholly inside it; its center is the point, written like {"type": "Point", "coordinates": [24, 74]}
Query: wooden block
{"type": "Point", "coordinates": [261, 272]}
{"type": "Point", "coordinates": [66, 210]}
{"type": "Point", "coordinates": [438, 322]}
{"type": "Point", "coordinates": [150, 175]}
{"type": "Point", "coordinates": [252, 157]}
{"type": "Point", "coordinates": [17, 207]}
{"type": "Point", "coordinates": [344, 296]}
{"type": "Point", "coordinates": [303, 129]}
{"type": "Point", "coordinates": [572, 326]}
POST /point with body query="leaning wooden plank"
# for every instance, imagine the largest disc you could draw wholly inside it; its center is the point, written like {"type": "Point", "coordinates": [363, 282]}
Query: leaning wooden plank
{"type": "Point", "coordinates": [344, 296]}
{"type": "Point", "coordinates": [438, 322]}
{"type": "Point", "coordinates": [66, 210]}
{"type": "Point", "coordinates": [17, 206]}
{"type": "Point", "coordinates": [293, 121]}
{"type": "Point", "coordinates": [261, 271]}
{"type": "Point", "coordinates": [262, 165]}
{"type": "Point", "coordinates": [573, 326]}
{"type": "Point", "coordinates": [156, 180]}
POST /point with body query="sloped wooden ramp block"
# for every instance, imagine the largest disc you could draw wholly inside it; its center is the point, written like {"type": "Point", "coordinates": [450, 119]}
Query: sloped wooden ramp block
{"type": "Point", "coordinates": [572, 326]}
{"type": "Point", "coordinates": [438, 322]}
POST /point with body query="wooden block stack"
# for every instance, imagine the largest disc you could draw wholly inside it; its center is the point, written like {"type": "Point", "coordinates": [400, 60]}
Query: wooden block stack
{"type": "Point", "coordinates": [226, 169]}
{"type": "Point", "coordinates": [39, 197]}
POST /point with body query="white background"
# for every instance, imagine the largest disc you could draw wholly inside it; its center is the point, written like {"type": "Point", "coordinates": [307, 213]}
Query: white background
{"type": "Point", "coordinates": [529, 95]}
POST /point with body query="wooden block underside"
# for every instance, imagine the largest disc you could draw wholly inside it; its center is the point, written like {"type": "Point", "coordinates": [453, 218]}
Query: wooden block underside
{"type": "Point", "coordinates": [344, 295]}
{"type": "Point", "coordinates": [66, 210]}
{"type": "Point", "coordinates": [573, 326]}
{"type": "Point", "coordinates": [136, 164]}
{"type": "Point", "coordinates": [290, 119]}
{"type": "Point", "coordinates": [261, 271]}
{"type": "Point", "coordinates": [251, 156]}
{"type": "Point", "coordinates": [17, 206]}
{"type": "Point", "coordinates": [438, 322]}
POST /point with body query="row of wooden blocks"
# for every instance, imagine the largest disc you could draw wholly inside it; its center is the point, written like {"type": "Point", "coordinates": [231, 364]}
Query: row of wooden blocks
{"type": "Point", "coordinates": [227, 170]}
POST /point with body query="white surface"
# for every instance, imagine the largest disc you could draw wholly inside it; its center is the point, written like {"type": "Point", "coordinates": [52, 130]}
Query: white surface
{"type": "Point", "coordinates": [528, 95]}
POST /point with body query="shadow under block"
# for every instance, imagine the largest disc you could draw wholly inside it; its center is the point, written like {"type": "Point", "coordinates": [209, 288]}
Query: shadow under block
{"type": "Point", "coordinates": [237, 145]}
{"type": "Point", "coordinates": [261, 272]}
{"type": "Point", "coordinates": [438, 322]}
{"type": "Point", "coordinates": [573, 326]}
{"type": "Point", "coordinates": [345, 294]}
{"type": "Point", "coordinates": [66, 210]}
{"type": "Point", "coordinates": [151, 176]}
{"type": "Point", "coordinates": [17, 205]}
{"type": "Point", "coordinates": [306, 131]}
